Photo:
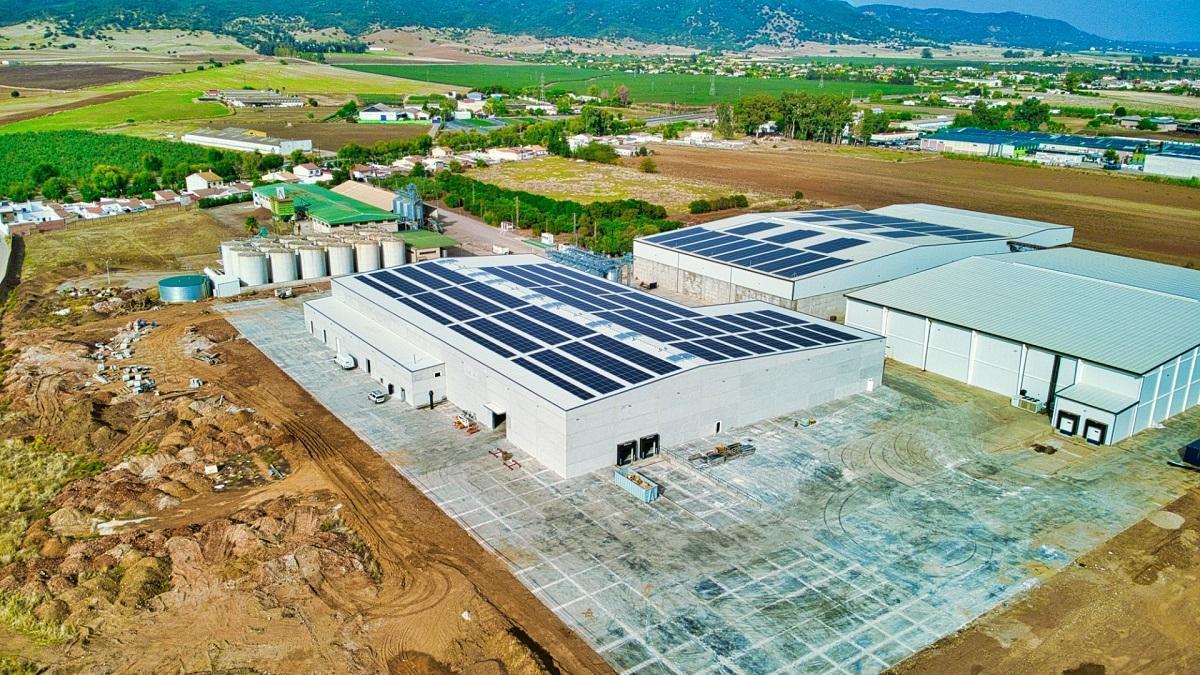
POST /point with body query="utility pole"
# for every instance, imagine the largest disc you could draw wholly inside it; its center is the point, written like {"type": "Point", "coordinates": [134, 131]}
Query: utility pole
{"type": "Point", "coordinates": [107, 273]}
{"type": "Point", "coordinates": [575, 228]}
{"type": "Point", "coordinates": [518, 224]}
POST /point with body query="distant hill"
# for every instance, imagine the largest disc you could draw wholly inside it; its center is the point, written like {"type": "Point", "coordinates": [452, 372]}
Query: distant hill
{"type": "Point", "coordinates": [702, 23]}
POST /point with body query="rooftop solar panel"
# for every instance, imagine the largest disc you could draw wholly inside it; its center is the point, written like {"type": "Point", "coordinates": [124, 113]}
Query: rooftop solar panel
{"type": "Point", "coordinates": [390, 279]}
{"type": "Point", "coordinates": [473, 301]}
{"type": "Point", "coordinates": [631, 354]}
{"type": "Point", "coordinates": [642, 327]}
{"type": "Point", "coordinates": [697, 350]}
{"type": "Point", "coordinates": [446, 273]}
{"type": "Point", "coordinates": [390, 292]}
{"type": "Point", "coordinates": [577, 372]}
{"type": "Point", "coordinates": [700, 244]}
{"type": "Point", "coordinates": [901, 234]}
{"type": "Point", "coordinates": [746, 253]}
{"type": "Point", "coordinates": [834, 245]}
{"type": "Point", "coordinates": [480, 340]}
{"type": "Point", "coordinates": [753, 228]}
{"type": "Point", "coordinates": [495, 295]}
{"type": "Point", "coordinates": [504, 335]}
{"type": "Point", "coordinates": [797, 258]}
{"type": "Point", "coordinates": [551, 319]}
{"type": "Point", "coordinates": [752, 347]}
{"type": "Point", "coordinates": [557, 293]}
{"type": "Point", "coordinates": [814, 266]}
{"type": "Point", "coordinates": [720, 347]}
{"type": "Point", "coordinates": [530, 328]}
{"type": "Point", "coordinates": [789, 237]}
{"type": "Point", "coordinates": [413, 274]}
{"type": "Point", "coordinates": [609, 364]}
{"type": "Point", "coordinates": [726, 247]}
{"type": "Point", "coordinates": [442, 304]}
{"type": "Point", "coordinates": [550, 377]}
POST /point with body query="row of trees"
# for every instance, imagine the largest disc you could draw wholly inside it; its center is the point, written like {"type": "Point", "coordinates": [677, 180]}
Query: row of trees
{"type": "Point", "coordinates": [798, 115]}
{"type": "Point", "coordinates": [608, 227]}
{"type": "Point", "coordinates": [1030, 115]}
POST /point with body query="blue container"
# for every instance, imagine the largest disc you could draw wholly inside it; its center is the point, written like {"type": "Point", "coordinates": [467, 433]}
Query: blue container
{"type": "Point", "coordinates": [184, 288]}
{"type": "Point", "coordinates": [636, 484]}
{"type": "Point", "coordinates": [1191, 454]}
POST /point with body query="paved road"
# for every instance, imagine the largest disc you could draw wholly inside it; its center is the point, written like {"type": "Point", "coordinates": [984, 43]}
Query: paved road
{"type": "Point", "coordinates": [477, 237]}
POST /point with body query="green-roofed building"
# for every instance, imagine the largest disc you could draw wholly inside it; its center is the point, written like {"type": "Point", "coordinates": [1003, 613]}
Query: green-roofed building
{"type": "Point", "coordinates": [425, 244]}
{"type": "Point", "coordinates": [327, 209]}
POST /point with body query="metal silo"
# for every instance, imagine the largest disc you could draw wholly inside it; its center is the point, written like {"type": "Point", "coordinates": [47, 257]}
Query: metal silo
{"type": "Point", "coordinates": [366, 256]}
{"type": "Point", "coordinates": [312, 262]}
{"type": "Point", "coordinates": [252, 268]}
{"type": "Point", "coordinates": [341, 259]}
{"type": "Point", "coordinates": [229, 251]}
{"type": "Point", "coordinates": [184, 288]}
{"type": "Point", "coordinates": [393, 252]}
{"type": "Point", "coordinates": [283, 265]}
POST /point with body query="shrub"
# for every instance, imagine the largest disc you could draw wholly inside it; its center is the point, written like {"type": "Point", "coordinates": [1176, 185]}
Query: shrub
{"type": "Point", "coordinates": [648, 166]}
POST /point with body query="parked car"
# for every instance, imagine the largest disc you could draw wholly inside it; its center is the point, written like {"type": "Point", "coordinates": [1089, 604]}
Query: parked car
{"type": "Point", "coordinates": [377, 396]}
{"type": "Point", "coordinates": [346, 361]}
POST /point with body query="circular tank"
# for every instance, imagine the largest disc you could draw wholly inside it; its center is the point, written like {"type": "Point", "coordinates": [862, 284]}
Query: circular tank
{"type": "Point", "coordinates": [341, 259]}
{"type": "Point", "coordinates": [393, 252]}
{"type": "Point", "coordinates": [312, 262]}
{"type": "Point", "coordinates": [252, 268]}
{"type": "Point", "coordinates": [366, 256]}
{"type": "Point", "coordinates": [283, 265]}
{"type": "Point", "coordinates": [184, 288]}
{"type": "Point", "coordinates": [229, 251]}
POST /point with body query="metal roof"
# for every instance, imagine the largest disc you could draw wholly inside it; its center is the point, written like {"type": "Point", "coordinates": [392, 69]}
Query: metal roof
{"type": "Point", "coordinates": [327, 205]}
{"type": "Point", "coordinates": [1185, 150]}
{"type": "Point", "coordinates": [1077, 313]}
{"type": "Point", "coordinates": [1027, 138]}
{"type": "Point", "coordinates": [1114, 268]}
{"type": "Point", "coordinates": [1097, 397]}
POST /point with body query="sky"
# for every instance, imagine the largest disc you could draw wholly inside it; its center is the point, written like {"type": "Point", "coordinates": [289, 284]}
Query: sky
{"type": "Point", "coordinates": [1150, 20]}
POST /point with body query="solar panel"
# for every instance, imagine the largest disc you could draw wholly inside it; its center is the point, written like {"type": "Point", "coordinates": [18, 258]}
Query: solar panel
{"type": "Point", "coordinates": [644, 328]}
{"type": "Point", "coordinates": [745, 321]}
{"type": "Point", "coordinates": [696, 350]}
{"type": "Point", "coordinates": [550, 377]}
{"type": "Point", "coordinates": [790, 261]}
{"type": "Point", "coordinates": [451, 309]}
{"type": "Point", "coordinates": [794, 235]}
{"type": "Point", "coordinates": [515, 276]}
{"type": "Point", "coordinates": [777, 253]}
{"type": "Point", "coordinates": [589, 284]}
{"type": "Point", "coordinates": [558, 293]}
{"type": "Point", "coordinates": [753, 228]}
{"type": "Point", "coordinates": [814, 266]}
{"type": "Point", "coordinates": [577, 372]}
{"type": "Point", "coordinates": [852, 225]}
{"type": "Point", "coordinates": [696, 234]}
{"type": "Point", "coordinates": [791, 338]}
{"type": "Point", "coordinates": [721, 347]}
{"type": "Point", "coordinates": [531, 328]}
{"type": "Point", "coordinates": [819, 338]}
{"type": "Point", "coordinates": [414, 274]}
{"type": "Point", "coordinates": [427, 311]}
{"type": "Point", "coordinates": [720, 323]}
{"type": "Point", "coordinates": [551, 319]}
{"type": "Point", "coordinates": [680, 310]}
{"type": "Point", "coordinates": [726, 247]}
{"type": "Point", "coordinates": [390, 292]}
{"type": "Point", "coordinates": [707, 242]}
{"type": "Point", "coordinates": [745, 253]}
{"type": "Point", "coordinates": [446, 273]}
{"type": "Point", "coordinates": [747, 345]}
{"type": "Point", "coordinates": [698, 327]}
{"type": "Point", "coordinates": [834, 245]}
{"type": "Point", "coordinates": [767, 318]}
{"type": "Point", "coordinates": [606, 363]}
{"type": "Point", "coordinates": [504, 335]}
{"type": "Point", "coordinates": [773, 343]}
{"type": "Point", "coordinates": [473, 301]}
{"type": "Point", "coordinates": [782, 318]}
{"type": "Point", "coordinates": [631, 354]}
{"type": "Point", "coordinates": [901, 234]}
{"type": "Point", "coordinates": [831, 332]}
{"type": "Point", "coordinates": [389, 279]}
{"type": "Point", "coordinates": [495, 294]}
{"type": "Point", "coordinates": [480, 340]}
{"type": "Point", "coordinates": [672, 236]}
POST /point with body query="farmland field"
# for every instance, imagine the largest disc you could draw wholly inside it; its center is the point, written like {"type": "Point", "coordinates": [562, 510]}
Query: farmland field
{"type": "Point", "coordinates": [1110, 213]}
{"type": "Point", "coordinates": [74, 153]}
{"type": "Point", "coordinates": [306, 78]}
{"type": "Point", "coordinates": [66, 75]}
{"type": "Point", "coordinates": [587, 182]}
{"type": "Point", "coordinates": [663, 88]}
{"type": "Point", "coordinates": [155, 106]}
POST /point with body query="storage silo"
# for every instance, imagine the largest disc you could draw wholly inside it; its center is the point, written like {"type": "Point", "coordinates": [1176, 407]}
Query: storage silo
{"type": "Point", "coordinates": [283, 265]}
{"type": "Point", "coordinates": [341, 259]}
{"type": "Point", "coordinates": [252, 268]}
{"type": "Point", "coordinates": [393, 252]}
{"type": "Point", "coordinates": [184, 288]}
{"type": "Point", "coordinates": [366, 256]}
{"type": "Point", "coordinates": [312, 262]}
{"type": "Point", "coordinates": [229, 251]}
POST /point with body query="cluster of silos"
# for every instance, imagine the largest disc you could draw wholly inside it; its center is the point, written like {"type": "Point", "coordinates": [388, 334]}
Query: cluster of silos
{"type": "Point", "coordinates": [275, 260]}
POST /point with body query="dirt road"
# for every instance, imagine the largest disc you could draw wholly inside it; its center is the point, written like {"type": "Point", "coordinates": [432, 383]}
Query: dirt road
{"type": "Point", "coordinates": [1110, 213]}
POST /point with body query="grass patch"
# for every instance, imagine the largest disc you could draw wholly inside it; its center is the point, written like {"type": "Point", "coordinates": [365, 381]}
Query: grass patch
{"type": "Point", "coordinates": [653, 88]}
{"type": "Point", "coordinates": [991, 160]}
{"type": "Point", "coordinates": [151, 107]}
{"type": "Point", "coordinates": [16, 612]}
{"type": "Point", "coordinates": [587, 182]}
{"type": "Point", "coordinates": [1167, 180]}
{"type": "Point", "coordinates": [15, 665]}
{"type": "Point", "coordinates": [297, 78]}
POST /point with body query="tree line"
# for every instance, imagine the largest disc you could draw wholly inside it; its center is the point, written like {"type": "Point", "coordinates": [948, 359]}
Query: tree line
{"type": "Point", "coordinates": [797, 115]}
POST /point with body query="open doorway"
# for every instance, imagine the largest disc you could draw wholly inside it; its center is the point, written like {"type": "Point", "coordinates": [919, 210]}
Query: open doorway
{"type": "Point", "coordinates": [647, 446]}
{"type": "Point", "coordinates": [626, 452]}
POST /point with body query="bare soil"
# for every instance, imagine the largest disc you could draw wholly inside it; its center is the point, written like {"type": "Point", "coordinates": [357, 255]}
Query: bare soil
{"type": "Point", "coordinates": [1129, 606]}
{"type": "Point", "coordinates": [1110, 213]}
{"type": "Point", "coordinates": [67, 76]}
{"type": "Point", "coordinates": [325, 135]}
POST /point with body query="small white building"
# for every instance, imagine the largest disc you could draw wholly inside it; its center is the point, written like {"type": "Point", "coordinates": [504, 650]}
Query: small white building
{"type": "Point", "coordinates": [311, 173]}
{"type": "Point", "coordinates": [381, 112]}
{"type": "Point", "coordinates": [1176, 161]}
{"type": "Point", "coordinates": [580, 372]}
{"type": "Point", "coordinates": [203, 180]}
{"type": "Point", "coordinates": [1109, 345]}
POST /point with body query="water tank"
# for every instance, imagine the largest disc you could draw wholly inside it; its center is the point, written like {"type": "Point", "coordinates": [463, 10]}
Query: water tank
{"type": "Point", "coordinates": [184, 288]}
{"type": "Point", "coordinates": [252, 268]}
{"type": "Point", "coordinates": [229, 251]}
{"type": "Point", "coordinates": [393, 252]}
{"type": "Point", "coordinates": [283, 265]}
{"type": "Point", "coordinates": [366, 256]}
{"type": "Point", "coordinates": [341, 259]}
{"type": "Point", "coordinates": [312, 262]}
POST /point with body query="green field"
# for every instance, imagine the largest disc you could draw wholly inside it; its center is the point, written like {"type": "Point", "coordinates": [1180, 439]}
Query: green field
{"type": "Point", "coordinates": [75, 153]}
{"type": "Point", "coordinates": [156, 106]}
{"type": "Point", "coordinates": [299, 78]}
{"type": "Point", "coordinates": [664, 88]}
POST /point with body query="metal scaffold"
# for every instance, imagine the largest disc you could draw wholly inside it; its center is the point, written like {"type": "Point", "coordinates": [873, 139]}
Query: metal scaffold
{"type": "Point", "coordinates": [597, 264]}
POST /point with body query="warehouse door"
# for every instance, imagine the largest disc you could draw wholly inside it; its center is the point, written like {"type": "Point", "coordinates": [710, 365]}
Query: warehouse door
{"type": "Point", "coordinates": [997, 365]}
{"type": "Point", "coordinates": [625, 452]}
{"type": "Point", "coordinates": [906, 337]}
{"type": "Point", "coordinates": [647, 446]}
{"type": "Point", "coordinates": [1068, 423]}
{"type": "Point", "coordinates": [949, 351]}
{"type": "Point", "coordinates": [1095, 432]}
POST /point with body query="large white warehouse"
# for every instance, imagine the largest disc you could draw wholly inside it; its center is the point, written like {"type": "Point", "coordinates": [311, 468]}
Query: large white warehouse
{"type": "Point", "coordinates": [584, 373]}
{"type": "Point", "coordinates": [245, 140]}
{"type": "Point", "coordinates": [808, 260]}
{"type": "Point", "coordinates": [1108, 344]}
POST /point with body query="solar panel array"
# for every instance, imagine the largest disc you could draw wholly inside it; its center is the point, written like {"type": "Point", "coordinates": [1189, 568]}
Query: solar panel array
{"type": "Point", "coordinates": [781, 250]}
{"type": "Point", "coordinates": [525, 321]}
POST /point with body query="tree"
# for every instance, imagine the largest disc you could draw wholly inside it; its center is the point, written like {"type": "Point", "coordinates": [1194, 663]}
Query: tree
{"type": "Point", "coordinates": [108, 181]}
{"type": "Point", "coordinates": [755, 110]}
{"type": "Point", "coordinates": [151, 162]}
{"type": "Point", "coordinates": [418, 171]}
{"type": "Point", "coordinates": [1145, 124]}
{"type": "Point", "coordinates": [142, 183]}
{"type": "Point", "coordinates": [20, 192]}
{"type": "Point", "coordinates": [56, 188]}
{"type": "Point", "coordinates": [594, 121]}
{"type": "Point", "coordinates": [563, 105]}
{"type": "Point", "coordinates": [15, 94]}
{"type": "Point", "coordinates": [725, 122]}
{"type": "Point", "coordinates": [1111, 155]}
{"type": "Point", "coordinates": [42, 172]}
{"type": "Point", "coordinates": [871, 123]}
{"type": "Point", "coordinates": [1031, 115]}
{"type": "Point", "coordinates": [1120, 111]}
{"type": "Point", "coordinates": [251, 224]}
{"type": "Point", "coordinates": [312, 102]}
{"type": "Point", "coordinates": [623, 95]}
{"type": "Point", "coordinates": [927, 53]}
{"type": "Point", "coordinates": [648, 166]}
{"type": "Point", "coordinates": [495, 106]}
{"type": "Point", "coordinates": [597, 152]}
{"type": "Point", "coordinates": [271, 162]}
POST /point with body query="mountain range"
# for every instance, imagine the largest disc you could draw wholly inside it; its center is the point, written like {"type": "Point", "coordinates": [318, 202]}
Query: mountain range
{"type": "Point", "coordinates": [700, 23]}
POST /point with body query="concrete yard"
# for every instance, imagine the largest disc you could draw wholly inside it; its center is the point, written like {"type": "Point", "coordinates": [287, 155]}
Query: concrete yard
{"type": "Point", "coordinates": [846, 546]}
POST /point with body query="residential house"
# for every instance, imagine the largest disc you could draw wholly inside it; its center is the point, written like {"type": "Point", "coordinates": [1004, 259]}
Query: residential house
{"type": "Point", "coordinates": [311, 173]}
{"type": "Point", "coordinates": [32, 216]}
{"type": "Point", "coordinates": [381, 112]}
{"type": "Point", "coordinates": [203, 180]}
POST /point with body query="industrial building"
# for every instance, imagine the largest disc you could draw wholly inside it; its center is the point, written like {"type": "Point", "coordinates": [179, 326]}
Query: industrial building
{"type": "Point", "coordinates": [994, 143]}
{"type": "Point", "coordinates": [1177, 160]}
{"type": "Point", "coordinates": [255, 98]}
{"type": "Point", "coordinates": [328, 210]}
{"type": "Point", "coordinates": [808, 260]}
{"type": "Point", "coordinates": [1108, 345]}
{"type": "Point", "coordinates": [245, 140]}
{"type": "Point", "coordinates": [580, 372]}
